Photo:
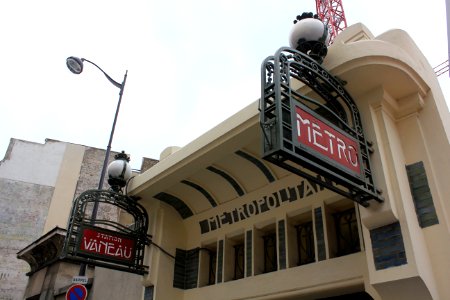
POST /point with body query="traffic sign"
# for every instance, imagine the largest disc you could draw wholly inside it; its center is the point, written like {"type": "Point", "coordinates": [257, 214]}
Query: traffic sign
{"type": "Point", "coordinates": [79, 280]}
{"type": "Point", "coordinates": [76, 292]}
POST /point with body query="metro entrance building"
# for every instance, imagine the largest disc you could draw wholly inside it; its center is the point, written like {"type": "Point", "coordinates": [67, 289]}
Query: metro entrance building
{"type": "Point", "coordinates": [292, 197]}
{"type": "Point", "coordinates": [228, 224]}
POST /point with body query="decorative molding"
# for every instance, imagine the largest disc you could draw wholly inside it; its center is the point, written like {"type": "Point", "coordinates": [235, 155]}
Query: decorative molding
{"type": "Point", "coordinates": [236, 186]}
{"type": "Point", "coordinates": [204, 192]}
{"type": "Point", "coordinates": [181, 207]}
{"type": "Point", "coordinates": [259, 164]}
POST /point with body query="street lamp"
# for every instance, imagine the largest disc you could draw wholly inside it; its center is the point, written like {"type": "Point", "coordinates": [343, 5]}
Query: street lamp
{"type": "Point", "coordinates": [310, 36]}
{"type": "Point", "coordinates": [119, 172]}
{"type": "Point", "coordinates": [75, 65]}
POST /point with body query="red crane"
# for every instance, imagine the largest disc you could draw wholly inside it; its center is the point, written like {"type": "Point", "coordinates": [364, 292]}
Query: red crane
{"type": "Point", "coordinates": [331, 12]}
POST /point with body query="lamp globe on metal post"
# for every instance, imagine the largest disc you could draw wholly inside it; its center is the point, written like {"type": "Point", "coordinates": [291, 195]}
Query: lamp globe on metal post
{"type": "Point", "coordinates": [117, 179]}
{"type": "Point", "coordinates": [310, 36]}
{"type": "Point", "coordinates": [75, 64]}
{"type": "Point", "coordinates": [119, 172]}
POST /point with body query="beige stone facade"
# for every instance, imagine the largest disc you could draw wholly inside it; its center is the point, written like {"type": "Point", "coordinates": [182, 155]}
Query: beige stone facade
{"type": "Point", "coordinates": [234, 226]}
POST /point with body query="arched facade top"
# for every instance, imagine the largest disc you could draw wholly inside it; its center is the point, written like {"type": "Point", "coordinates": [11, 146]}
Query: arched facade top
{"type": "Point", "coordinates": [391, 63]}
{"type": "Point", "coordinates": [389, 59]}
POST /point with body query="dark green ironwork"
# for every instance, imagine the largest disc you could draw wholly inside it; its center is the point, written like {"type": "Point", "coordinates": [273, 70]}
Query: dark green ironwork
{"type": "Point", "coordinates": [81, 217]}
{"type": "Point", "coordinates": [331, 103]}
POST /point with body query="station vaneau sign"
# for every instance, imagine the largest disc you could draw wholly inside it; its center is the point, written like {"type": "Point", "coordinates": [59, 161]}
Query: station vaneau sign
{"type": "Point", "coordinates": [318, 136]}
{"type": "Point", "coordinates": [107, 243]}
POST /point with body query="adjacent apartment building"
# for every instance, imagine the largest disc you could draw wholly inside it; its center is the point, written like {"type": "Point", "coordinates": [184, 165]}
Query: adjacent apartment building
{"type": "Point", "coordinates": [38, 183]}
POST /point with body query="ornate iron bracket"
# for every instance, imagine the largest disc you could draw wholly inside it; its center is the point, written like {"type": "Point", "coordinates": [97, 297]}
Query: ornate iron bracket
{"type": "Point", "coordinates": [106, 243]}
{"type": "Point", "coordinates": [326, 101]}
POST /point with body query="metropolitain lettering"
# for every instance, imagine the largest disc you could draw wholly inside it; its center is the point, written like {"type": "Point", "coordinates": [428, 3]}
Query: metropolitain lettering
{"type": "Point", "coordinates": [266, 203]}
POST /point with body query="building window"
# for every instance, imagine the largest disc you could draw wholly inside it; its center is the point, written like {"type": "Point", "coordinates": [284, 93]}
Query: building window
{"type": "Point", "coordinates": [212, 267]}
{"type": "Point", "coordinates": [208, 265]}
{"type": "Point", "coordinates": [270, 252]}
{"type": "Point", "coordinates": [347, 235]}
{"type": "Point", "coordinates": [233, 257]}
{"type": "Point", "coordinates": [148, 293]}
{"type": "Point", "coordinates": [305, 243]}
{"type": "Point", "coordinates": [239, 256]}
{"type": "Point", "coordinates": [300, 239]}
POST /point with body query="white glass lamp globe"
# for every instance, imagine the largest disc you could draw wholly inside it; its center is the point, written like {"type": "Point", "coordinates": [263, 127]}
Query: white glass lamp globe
{"type": "Point", "coordinates": [119, 169]}
{"type": "Point", "coordinates": [308, 29]}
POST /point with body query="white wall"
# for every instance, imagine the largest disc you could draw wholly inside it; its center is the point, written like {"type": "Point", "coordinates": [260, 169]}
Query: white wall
{"type": "Point", "coordinates": [32, 162]}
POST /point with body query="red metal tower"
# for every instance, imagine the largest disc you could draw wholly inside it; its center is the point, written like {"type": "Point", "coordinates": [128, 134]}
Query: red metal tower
{"type": "Point", "coordinates": [331, 12]}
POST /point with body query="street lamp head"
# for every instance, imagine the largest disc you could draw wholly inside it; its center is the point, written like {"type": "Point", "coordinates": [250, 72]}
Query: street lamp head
{"type": "Point", "coordinates": [310, 36]}
{"type": "Point", "coordinates": [75, 64]}
{"type": "Point", "coordinates": [119, 171]}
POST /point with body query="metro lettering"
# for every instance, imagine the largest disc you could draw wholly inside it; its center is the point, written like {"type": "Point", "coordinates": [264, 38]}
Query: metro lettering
{"type": "Point", "coordinates": [322, 138]}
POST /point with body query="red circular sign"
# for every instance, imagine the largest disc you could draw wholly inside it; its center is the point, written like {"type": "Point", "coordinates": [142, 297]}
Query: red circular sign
{"type": "Point", "coordinates": [76, 292]}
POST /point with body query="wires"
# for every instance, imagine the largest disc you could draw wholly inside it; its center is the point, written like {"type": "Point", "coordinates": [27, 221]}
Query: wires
{"type": "Point", "coordinates": [162, 250]}
{"type": "Point", "coordinates": [441, 68]}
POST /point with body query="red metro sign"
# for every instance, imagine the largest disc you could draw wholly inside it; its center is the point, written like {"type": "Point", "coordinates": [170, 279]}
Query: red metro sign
{"type": "Point", "coordinates": [107, 244]}
{"type": "Point", "coordinates": [311, 126]}
{"type": "Point", "coordinates": [331, 144]}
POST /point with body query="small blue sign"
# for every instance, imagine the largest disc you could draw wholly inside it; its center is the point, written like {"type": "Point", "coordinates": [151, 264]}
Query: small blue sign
{"type": "Point", "coordinates": [76, 292]}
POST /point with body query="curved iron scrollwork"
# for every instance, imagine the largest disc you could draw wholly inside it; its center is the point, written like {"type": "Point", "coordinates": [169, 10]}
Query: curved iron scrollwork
{"type": "Point", "coordinates": [327, 100]}
{"type": "Point", "coordinates": [100, 241]}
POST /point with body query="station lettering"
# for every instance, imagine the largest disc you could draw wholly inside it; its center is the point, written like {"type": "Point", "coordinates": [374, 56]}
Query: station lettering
{"type": "Point", "coordinates": [108, 244]}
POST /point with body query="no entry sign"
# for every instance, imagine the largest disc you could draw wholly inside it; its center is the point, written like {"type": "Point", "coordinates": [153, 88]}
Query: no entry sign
{"type": "Point", "coordinates": [76, 292]}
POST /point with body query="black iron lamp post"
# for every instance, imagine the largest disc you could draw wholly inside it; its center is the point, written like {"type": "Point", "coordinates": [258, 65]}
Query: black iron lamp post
{"type": "Point", "coordinates": [75, 65]}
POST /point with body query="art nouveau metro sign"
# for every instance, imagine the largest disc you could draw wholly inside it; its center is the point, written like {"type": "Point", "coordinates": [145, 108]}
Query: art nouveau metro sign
{"type": "Point", "coordinates": [107, 243]}
{"type": "Point", "coordinates": [325, 141]}
{"type": "Point", "coordinates": [317, 134]}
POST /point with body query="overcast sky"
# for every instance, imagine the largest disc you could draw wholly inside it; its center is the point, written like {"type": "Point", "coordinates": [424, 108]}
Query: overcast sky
{"type": "Point", "coordinates": [191, 64]}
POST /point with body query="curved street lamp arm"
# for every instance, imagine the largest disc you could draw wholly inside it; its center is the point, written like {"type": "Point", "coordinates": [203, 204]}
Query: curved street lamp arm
{"type": "Point", "coordinates": [115, 83]}
{"type": "Point", "coordinates": [108, 148]}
